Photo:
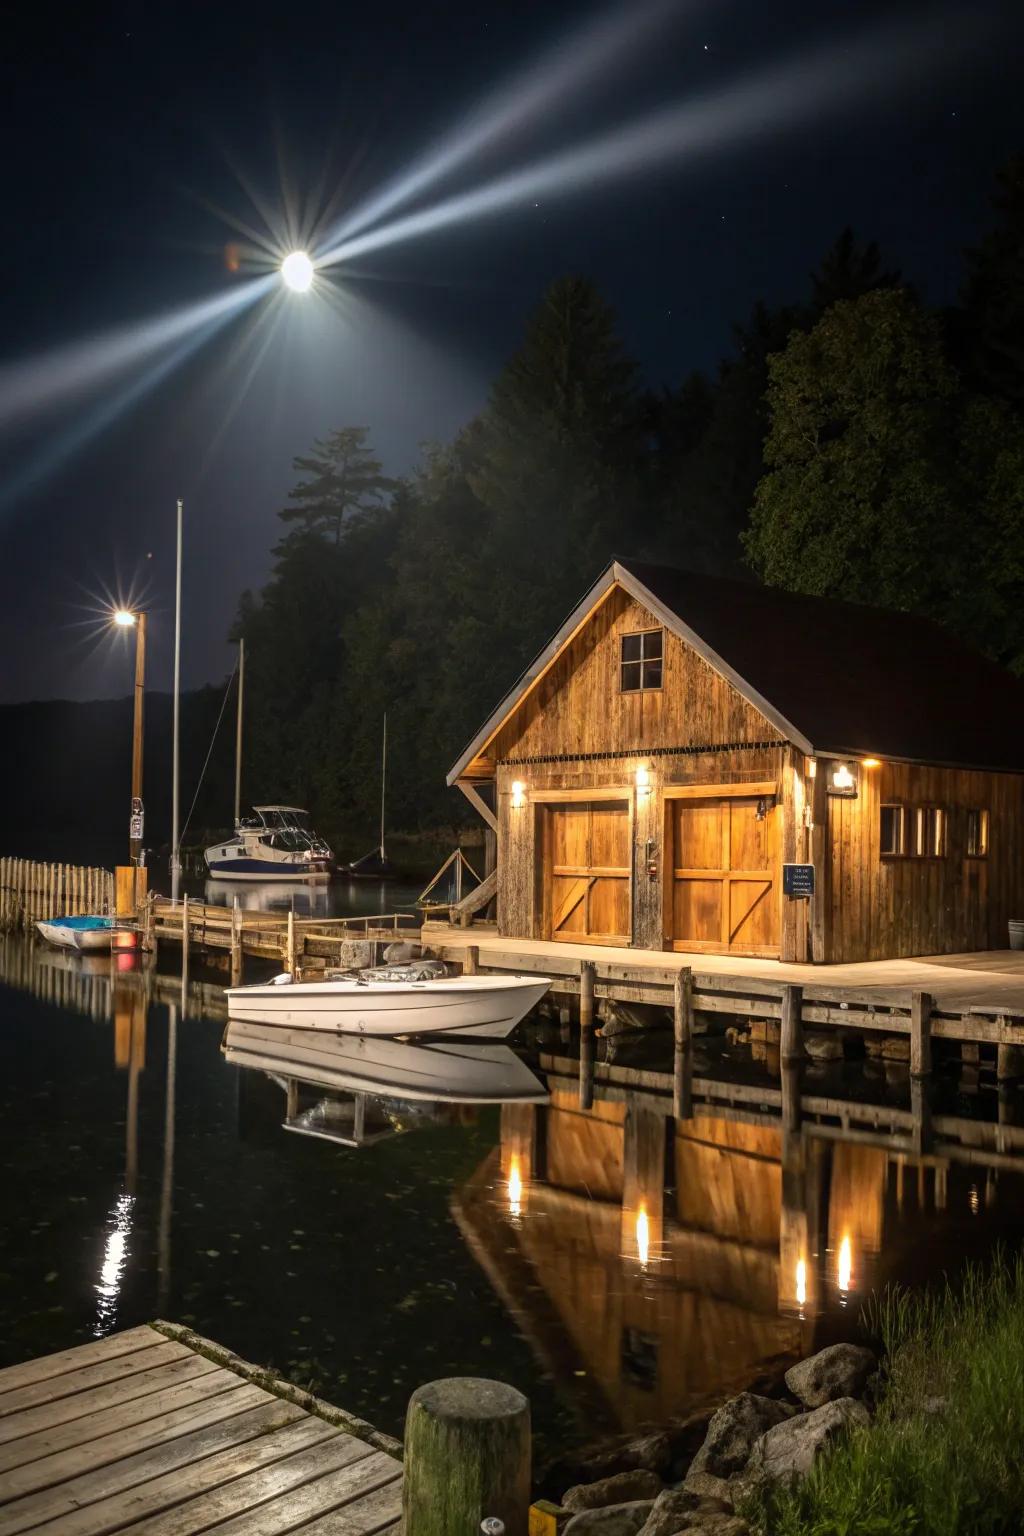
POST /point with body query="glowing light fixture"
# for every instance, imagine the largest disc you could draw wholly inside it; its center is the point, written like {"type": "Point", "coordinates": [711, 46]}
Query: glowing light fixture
{"type": "Point", "coordinates": [801, 1283]}
{"type": "Point", "coordinates": [518, 794]}
{"type": "Point", "coordinates": [842, 780]}
{"type": "Point", "coordinates": [124, 617]}
{"type": "Point", "coordinates": [844, 1269]}
{"type": "Point", "coordinates": [297, 272]}
{"type": "Point", "coordinates": [643, 780]}
{"type": "Point", "coordinates": [871, 762]}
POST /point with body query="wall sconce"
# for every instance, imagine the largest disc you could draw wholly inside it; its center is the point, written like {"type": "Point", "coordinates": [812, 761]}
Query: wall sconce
{"type": "Point", "coordinates": [842, 780]}
{"type": "Point", "coordinates": [871, 762]}
{"type": "Point", "coordinates": [643, 780]}
{"type": "Point", "coordinates": [518, 794]}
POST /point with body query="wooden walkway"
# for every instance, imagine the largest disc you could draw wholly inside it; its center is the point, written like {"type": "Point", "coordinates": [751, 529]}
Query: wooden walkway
{"type": "Point", "coordinates": [140, 1432]}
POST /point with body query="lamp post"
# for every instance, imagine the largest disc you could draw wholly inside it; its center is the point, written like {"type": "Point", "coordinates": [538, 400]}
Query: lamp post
{"type": "Point", "coordinates": [137, 621]}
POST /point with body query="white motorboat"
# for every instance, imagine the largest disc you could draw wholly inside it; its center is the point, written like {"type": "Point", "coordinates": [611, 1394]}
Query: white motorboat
{"type": "Point", "coordinates": [486, 1006]}
{"type": "Point", "coordinates": [276, 843]}
{"type": "Point", "coordinates": [82, 933]}
{"type": "Point", "coordinates": [437, 1072]}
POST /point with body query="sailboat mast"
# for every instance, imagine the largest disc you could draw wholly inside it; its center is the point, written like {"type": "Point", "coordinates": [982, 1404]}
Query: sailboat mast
{"type": "Point", "coordinates": [383, 779]}
{"type": "Point", "coordinates": [238, 731]}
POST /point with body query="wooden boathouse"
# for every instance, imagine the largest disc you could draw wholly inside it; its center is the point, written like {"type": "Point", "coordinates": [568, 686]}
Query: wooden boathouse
{"type": "Point", "coordinates": [701, 765]}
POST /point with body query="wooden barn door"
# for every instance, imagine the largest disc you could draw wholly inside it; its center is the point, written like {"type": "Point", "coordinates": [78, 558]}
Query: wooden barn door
{"type": "Point", "coordinates": [587, 869]}
{"type": "Point", "coordinates": [725, 874]}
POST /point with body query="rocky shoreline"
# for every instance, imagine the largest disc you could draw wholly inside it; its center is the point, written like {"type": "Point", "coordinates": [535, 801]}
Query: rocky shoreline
{"type": "Point", "coordinates": [751, 1442]}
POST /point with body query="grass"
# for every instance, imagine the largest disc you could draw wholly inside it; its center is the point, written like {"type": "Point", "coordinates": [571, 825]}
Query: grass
{"type": "Point", "coordinates": [944, 1455]}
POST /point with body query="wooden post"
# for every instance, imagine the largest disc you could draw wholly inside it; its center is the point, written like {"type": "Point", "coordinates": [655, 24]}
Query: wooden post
{"type": "Point", "coordinates": [236, 943]}
{"type": "Point", "coordinates": [292, 1099]}
{"type": "Point", "coordinates": [1009, 1058]}
{"type": "Point", "coordinates": [184, 955]}
{"type": "Point", "coordinates": [792, 1024]}
{"type": "Point", "coordinates": [467, 1458]}
{"type": "Point", "coordinates": [790, 1078]}
{"type": "Point", "coordinates": [682, 1024]}
{"type": "Point", "coordinates": [471, 964]}
{"type": "Point", "coordinates": [920, 1034]}
{"type": "Point", "coordinates": [135, 843]}
{"type": "Point", "coordinates": [588, 978]}
{"type": "Point", "coordinates": [289, 958]}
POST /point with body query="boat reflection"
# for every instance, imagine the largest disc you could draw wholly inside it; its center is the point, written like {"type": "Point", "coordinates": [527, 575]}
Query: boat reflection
{"type": "Point", "coordinates": [357, 1089]}
{"type": "Point", "coordinates": [309, 898]}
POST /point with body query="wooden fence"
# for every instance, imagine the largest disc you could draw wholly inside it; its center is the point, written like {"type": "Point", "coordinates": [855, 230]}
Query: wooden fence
{"type": "Point", "coordinates": [31, 891]}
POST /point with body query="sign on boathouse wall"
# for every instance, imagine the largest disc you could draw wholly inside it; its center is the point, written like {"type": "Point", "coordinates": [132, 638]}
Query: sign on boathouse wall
{"type": "Point", "coordinates": [798, 880]}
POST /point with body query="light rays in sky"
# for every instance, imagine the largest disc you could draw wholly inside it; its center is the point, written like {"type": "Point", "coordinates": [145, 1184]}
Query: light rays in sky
{"type": "Point", "coordinates": [683, 133]}
{"type": "Point", "coordinates": [122, 365]}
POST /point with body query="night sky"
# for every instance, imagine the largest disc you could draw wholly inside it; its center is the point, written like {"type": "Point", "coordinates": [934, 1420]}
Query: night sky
{"type": "Point", "coordinates": [136, 138]}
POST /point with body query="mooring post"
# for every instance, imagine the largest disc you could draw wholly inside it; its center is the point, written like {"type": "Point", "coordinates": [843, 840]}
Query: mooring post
{"type": "Point", "coordinates": [682, 1029]}
{"type": "Point", "coordinates": [467, 1458]}
{"type": "Point", "coordinates": [471, 964]}
{"type": "Point", "coordinates": [184, 956]}
{"type": "Point", "coordinates": [236, 943]}
{"type": "Point", "coordinates": [792, 1043]}
{"type": "Point", "coordinates": [588, 978]}
{"type": "Point", "coordinates": [920, 1034]}
{"type": "Point", "coordinates": [289, 958]}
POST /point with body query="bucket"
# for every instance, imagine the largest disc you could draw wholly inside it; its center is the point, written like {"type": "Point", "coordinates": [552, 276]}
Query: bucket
{"type": "Point", "coordinates": [1016, 933]}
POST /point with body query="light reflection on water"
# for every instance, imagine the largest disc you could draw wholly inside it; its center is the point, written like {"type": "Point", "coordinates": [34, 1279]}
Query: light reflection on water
{"type": "Point", "coordinates": [617, 1265]}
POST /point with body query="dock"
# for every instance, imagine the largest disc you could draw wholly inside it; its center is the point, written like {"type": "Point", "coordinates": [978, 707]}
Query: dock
{"type": "Point", "coordinates": [155, 1430]}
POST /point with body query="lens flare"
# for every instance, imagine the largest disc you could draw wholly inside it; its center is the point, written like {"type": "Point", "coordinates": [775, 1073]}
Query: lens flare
{"type": "Point", "coordinates": [297, 272]}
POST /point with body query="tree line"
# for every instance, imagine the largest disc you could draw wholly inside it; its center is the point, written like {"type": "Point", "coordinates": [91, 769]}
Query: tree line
{"type": "Point", "coordinates": [860, 444]}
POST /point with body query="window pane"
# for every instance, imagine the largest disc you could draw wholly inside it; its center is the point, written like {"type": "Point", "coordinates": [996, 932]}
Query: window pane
{"type": "Point", "coordinates": [652, 673]}
{"type": "Point", "coordinates": [892, 829]}
{"type": "Point", "coordinates": [652, 645]}
{"type": "Point", "coordinates": [631, 645]}
{"type": "Point", "coordinates": [630, 676]}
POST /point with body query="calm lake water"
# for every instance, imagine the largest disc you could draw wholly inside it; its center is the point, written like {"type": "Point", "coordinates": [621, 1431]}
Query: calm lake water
{"type": "Point", "coordinates": [616, 1266]}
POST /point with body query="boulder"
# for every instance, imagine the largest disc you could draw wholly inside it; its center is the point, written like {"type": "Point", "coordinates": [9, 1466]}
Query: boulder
{"type": "Point", "coordinates": [787, 1452]}
{"type": "Point", "coordinates": [613, 1520]}
{"type": "Point", "coordinates": [705, 1485]}
{"type": "Point", "coordinates": [618, 1489]}
{"type": "Point", "coordinates": [733, 1430]}
{"type": "Point", "coordinates": [676, 1510]}
{"type": "Point", "coordinates": [823, 1047]}
{"type": "Point", "coordinates": [355, 954]}
{"type": "Point", "coordinates": [841, 1370]}
{"type": "Point", "coordinates": [399, 953]}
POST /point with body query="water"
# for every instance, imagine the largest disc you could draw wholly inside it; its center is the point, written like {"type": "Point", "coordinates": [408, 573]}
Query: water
{"type": "Point", "coordinates": [616, 1267]}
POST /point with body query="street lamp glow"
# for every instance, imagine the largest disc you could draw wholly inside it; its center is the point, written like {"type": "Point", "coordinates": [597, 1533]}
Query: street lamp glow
{"type": "Point", "coordinates": [123, 617]}
{"type": "Point", "coordinates": [297, 272]}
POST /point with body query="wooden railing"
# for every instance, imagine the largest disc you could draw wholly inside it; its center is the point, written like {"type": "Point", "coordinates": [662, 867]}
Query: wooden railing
{"type": "Point", "coordinates": [31, 891]}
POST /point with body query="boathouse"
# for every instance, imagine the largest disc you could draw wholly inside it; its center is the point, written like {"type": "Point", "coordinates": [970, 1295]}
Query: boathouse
{"type": "Point", "coordinates": [699, 764]}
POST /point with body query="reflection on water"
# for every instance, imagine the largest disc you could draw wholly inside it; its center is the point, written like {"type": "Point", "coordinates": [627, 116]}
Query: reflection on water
{"type": "Point", "coordinates": [366, 1214]}
{"type": "Point", "coordinates": [339, 898]}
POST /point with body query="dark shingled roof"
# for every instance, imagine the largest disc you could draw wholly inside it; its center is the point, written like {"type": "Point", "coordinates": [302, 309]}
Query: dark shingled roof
{"type": "Point", "coordinates": [852, 679]}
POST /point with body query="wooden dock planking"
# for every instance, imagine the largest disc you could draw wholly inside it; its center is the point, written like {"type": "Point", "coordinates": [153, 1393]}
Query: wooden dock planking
{"type": "Point", "coordinates": [176, 1448]}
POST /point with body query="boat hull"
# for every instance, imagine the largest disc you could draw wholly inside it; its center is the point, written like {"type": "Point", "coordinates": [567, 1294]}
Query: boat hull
{"type": "Point", "coordinates": [486, 1007]}
{"type": "Point", "coordinates": [84, 940]}
{"type": "Point", "coordinates": [253, 869]}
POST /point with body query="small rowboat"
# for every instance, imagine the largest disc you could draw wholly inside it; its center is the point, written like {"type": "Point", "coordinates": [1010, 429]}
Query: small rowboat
{"type": "Point", "coordinates": [485, 1006]}
{"type": "Point", "coordinates": [81, 932]}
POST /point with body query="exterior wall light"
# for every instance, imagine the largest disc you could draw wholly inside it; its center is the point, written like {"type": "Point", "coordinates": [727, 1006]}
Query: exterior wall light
{"type": "Point", "coordinates": [518, 794]}
{"type": "Point", "coordinates": [842, 780]}
{"type": "Point", "coordinates": [643, 780]}
{"type": "Point", "coordinates": [871, 762]}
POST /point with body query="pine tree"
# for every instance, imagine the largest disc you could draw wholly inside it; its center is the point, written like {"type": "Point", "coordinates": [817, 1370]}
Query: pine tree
{"type": "Point", "coordinates": [344, 480]}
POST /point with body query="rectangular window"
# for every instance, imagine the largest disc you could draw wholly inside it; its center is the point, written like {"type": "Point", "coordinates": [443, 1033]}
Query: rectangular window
{"type": "Point", "coordinates": [929, 832]}
{"type": "Point", "coordinates": [977, 834]}
{"type": "Point", "coordinates": [641, 657]}
{"type": "Point", "coordinates": [893, 830]}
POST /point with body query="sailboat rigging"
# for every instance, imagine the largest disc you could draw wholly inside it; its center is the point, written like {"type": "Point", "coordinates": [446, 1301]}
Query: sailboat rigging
{"type": "Point", "coordinates": [376, 865]}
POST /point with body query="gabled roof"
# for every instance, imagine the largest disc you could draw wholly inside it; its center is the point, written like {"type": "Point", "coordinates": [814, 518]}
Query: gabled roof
{"type": "Point", "coordinates": [836, 678]}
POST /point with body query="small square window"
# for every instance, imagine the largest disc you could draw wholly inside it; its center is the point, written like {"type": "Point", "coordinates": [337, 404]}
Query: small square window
{"type": "Point", "coordinates": [893, 830]}
{"type": "Point", "coordinates": [641, 661]}
{"type": "Point", "coordinates": [977, 834]}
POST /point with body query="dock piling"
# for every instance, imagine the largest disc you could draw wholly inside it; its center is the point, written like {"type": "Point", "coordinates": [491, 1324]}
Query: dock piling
{"type": "Point", "coordinates": [467, 1458]}
{"type": "Point", "coordinates": [682, 1030]}
{"type": "Point", "coordinates": [471, 964]}
{"type": "Point", "coordinates": [289, 957]}
{"type": "Point", "coordinates": [236, 942]}
{"type": "Point", "coordinates": [184, 956]}
{"type": "Point", "coordinates": [920, 1034]}
{"type": "Point", "coordinates": [588, 979]}
{"type": "Point", "coordinates": [792, 1043]}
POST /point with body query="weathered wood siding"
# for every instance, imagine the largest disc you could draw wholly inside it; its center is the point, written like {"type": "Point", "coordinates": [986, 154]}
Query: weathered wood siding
{"type": "Point", "coordinates": [883, 908]}
{"type": "Point", "coordinates": [577, 706]}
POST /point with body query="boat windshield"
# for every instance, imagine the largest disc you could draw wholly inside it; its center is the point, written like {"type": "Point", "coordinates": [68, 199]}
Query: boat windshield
{"type": "Point", "coordinates": [282, 819]}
